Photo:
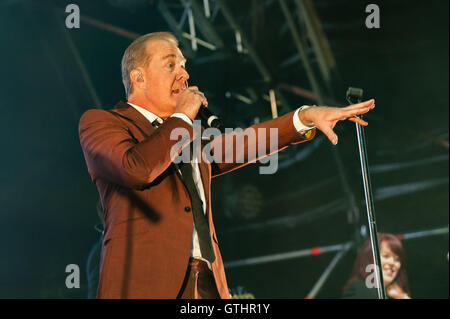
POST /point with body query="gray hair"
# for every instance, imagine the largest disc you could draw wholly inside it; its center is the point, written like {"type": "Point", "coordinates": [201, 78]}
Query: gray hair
{"type": "Point", "coordinates": [136, 55]}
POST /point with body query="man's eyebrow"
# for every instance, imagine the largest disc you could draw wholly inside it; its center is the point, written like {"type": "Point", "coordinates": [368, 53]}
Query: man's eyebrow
{"type": "Point", "coordinates": [171, 55]}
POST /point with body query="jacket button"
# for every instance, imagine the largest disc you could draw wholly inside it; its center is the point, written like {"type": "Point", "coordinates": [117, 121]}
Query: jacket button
{"type": "Point", "coordinates": [187, 209]}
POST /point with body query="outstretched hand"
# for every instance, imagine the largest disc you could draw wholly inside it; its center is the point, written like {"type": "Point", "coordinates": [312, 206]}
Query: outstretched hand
{"type": "Point", "coordinates": [325, 118]}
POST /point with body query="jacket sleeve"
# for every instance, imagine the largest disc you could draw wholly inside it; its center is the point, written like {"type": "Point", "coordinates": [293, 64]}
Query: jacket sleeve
{"type": "Point", "coordinates": [240, 148]}
{"type": "Point", "coordinates": [112, 153]}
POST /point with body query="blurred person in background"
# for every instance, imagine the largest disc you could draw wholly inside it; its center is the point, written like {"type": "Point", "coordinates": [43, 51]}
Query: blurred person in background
{"type": "Point", "coordinates": [393, 263]}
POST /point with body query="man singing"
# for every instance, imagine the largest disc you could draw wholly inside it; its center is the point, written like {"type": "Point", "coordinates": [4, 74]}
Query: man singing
{"type": "Point", "coordinates": [159, 239]}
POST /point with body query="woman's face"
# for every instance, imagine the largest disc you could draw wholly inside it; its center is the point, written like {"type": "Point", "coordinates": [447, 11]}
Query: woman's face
{"type": "Point", "coordinates": [390, 262]}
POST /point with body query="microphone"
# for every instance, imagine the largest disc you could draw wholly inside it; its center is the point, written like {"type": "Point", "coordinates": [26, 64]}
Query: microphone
{"type": "Point", "coordinates": [354, 95]}
{"type": "Point", "coordinates": [211, 119]}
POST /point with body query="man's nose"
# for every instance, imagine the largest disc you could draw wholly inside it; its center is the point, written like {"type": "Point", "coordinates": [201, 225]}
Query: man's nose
{"type": "Point", "coordinates": [183, 75]}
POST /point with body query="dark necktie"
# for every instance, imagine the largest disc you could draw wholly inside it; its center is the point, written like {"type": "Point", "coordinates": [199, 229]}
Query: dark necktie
{"type": "Point", "coordinates": [200, 221]}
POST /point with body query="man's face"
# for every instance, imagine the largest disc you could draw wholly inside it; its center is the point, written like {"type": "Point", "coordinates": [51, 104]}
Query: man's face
{"type": "Point", "coordinates": [165, 76]}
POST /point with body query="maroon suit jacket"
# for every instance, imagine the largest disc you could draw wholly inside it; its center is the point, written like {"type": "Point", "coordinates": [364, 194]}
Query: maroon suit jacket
{"type": "Point", "coordinates": [148, 230]}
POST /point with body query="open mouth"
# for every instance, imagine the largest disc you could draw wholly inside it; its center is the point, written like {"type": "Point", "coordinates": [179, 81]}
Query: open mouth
{"type": "Point", "coordinates": [181, 89]}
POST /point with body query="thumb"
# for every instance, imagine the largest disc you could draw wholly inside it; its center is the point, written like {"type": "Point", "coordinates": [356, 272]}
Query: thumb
{"type": "Point", "coordinates": [329, 134]}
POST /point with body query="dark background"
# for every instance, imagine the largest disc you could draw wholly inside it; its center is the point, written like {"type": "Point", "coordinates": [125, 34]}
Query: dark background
{"type": "Point", "coordinates": [48, 204]}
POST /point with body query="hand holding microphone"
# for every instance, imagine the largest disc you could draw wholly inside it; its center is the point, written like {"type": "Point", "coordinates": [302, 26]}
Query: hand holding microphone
{"type": "Point", "coordinates": [189, 102]}
{"type": "Point", "coordinates": [193, 102]}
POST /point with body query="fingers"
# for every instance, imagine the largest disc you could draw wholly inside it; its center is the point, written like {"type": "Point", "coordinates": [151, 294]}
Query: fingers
{"type": "Point", "coordinates": [353, 112]}
{"type": "Point", "coordinates": [358, 120]}
{"type": "Point", "coordinates": [203, 99]}
{"type": "Point", "coordinates": [202, 95]}
{"type": "Point", "coordinates": [366, 104]}
{"type": "Point", "coordinates": [195, 90]}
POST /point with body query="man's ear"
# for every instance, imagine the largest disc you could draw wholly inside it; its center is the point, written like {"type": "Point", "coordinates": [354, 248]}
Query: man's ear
{"type": "Point", "coordinates": [137, 78]}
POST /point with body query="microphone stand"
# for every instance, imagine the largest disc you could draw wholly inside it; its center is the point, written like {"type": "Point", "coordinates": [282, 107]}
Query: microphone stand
{"type": "Point", "coordinates": [352, 95]}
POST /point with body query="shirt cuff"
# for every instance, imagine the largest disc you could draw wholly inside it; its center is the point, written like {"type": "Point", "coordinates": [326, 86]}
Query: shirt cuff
{"type": "Point", "coordinates": [182, 116]}
{"type": "Point", "coordinates": [299, 126]}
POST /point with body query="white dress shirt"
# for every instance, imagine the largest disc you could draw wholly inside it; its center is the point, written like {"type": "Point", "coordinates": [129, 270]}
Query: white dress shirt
{"type": "Point", "coordinates": [151, 117]}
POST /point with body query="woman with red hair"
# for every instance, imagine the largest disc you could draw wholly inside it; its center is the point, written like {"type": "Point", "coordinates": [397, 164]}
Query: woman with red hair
{"type": "Point", "coordinates": [393, 264]}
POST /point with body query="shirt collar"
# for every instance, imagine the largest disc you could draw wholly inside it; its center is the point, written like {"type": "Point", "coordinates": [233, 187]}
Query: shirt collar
{"type": "Point", "coordinates": [151, 117]}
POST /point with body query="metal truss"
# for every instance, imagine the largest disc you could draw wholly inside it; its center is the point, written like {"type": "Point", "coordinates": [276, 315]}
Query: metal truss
{"type": "Point", "coordinates": [196, 23]}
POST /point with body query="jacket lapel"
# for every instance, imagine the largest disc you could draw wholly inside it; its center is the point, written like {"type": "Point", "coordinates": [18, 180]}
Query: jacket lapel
{"type": "Point", "coordinates": [128, 112]}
